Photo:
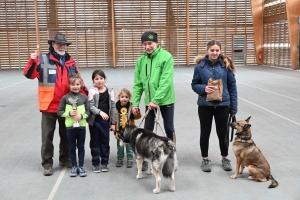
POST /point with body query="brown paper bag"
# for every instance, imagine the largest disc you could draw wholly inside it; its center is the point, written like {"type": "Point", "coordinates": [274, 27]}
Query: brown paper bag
{"type": "Point", "coordinates": [218, 87]}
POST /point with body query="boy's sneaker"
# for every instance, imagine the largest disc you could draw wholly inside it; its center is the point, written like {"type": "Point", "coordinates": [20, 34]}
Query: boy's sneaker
{"type": "Point", "coordinates": [144, 166]}
{"type": "Point", "coordinates": [119, 162]}
{"type": "Point", "coordinates": [205, 165]}
{"type": "Point", "coordinates": [105, 168]}
{"type": "Point", "coordinates": [48, 171]}
{"type": "Point", "coordinates": [74, 171]}
{"type": "Point", "coordinates": [226, 164]}
{"type": "Point", "coordinates": [129, 163]}
{"type": "Point", "coordinates": [96, 168]}
{"type": "Point", "coordinates": [82, 172]}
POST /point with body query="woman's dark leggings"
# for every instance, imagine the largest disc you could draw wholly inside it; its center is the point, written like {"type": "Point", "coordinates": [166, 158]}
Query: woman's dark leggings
{"type": "Point", "coordinates": [167, 113]}
{"type": "Point", "coordinates": [220, 114]}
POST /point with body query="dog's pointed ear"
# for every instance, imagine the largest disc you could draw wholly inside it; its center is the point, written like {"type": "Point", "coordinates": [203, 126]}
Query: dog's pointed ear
{"type": "Point", "coordinates": [247, 126]}
{"type": "Point", "coordinates": [248, 119]}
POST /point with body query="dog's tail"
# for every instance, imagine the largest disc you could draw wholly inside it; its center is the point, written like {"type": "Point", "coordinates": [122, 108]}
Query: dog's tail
{"type": "Point", "coordinates": [171, 162]}
{"type": "Point", "coordinates": [273, 182]}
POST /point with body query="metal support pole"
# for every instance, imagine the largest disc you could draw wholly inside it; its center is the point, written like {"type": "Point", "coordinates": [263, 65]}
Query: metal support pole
{"type": "Point", "coordinates": [177, 46]}
{"type": "Point", "coordinates": [104, 47]}
{"type": "Point", "coordinates": [18, 50]}
{"type": "Point", "coordinates": [123, 43]}
{"type": "Point", "coordinates": [76, 45]}
{"type": "Point", "coordinates": [299, 42]}
{"type": "Point", "coordinates": [37, 28]}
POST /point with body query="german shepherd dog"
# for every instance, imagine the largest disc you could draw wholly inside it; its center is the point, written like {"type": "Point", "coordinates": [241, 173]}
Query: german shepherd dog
{"type": "Point", "coordinates": [159, 151]}
{"type": "Point", "coordinates": [249, 155]}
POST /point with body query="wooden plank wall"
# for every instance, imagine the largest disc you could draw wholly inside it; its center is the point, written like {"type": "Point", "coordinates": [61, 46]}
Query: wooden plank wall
{"type": "Point", "coordinates": [221, 20]}
{"type": "Point", "coordinates": [88, 25]}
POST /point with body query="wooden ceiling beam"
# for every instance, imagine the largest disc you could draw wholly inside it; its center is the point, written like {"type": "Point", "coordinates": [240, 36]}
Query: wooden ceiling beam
{"type": "Point", "coordinates": [52, 21]}
{"type": "Point", "coordinates": [37, 27]}
{"type": "Point", "coordinates": [187, 33]}
{"type": "Point", "coordinates": [257, 17]}
{"type": "Point", "coordinates": [112, 14]}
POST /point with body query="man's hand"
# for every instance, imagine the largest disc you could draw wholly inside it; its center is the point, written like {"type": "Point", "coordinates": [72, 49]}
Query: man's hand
{"type": "Point", "coordinates": [152, 106]}
{"type": "Point", "coordinates": [135, 110]}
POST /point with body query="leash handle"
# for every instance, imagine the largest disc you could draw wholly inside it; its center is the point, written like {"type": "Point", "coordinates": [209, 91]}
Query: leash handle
{"type": "Point", "coordinates": [233, 119]}
{"type": "Point", "coordinates": [156, 121]}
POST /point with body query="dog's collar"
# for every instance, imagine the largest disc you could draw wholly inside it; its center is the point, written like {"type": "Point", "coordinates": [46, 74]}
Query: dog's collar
{"type": "Point", "coordinates": [243, 138]}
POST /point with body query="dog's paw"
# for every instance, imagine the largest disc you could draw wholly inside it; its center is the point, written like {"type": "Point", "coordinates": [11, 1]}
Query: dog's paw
{"type": "Point", "coordinates": [139, 176]}
{"type": "Point", "coordinates": [233, 176]}
{"type": "Point", "coordinates": [250, 177]}
{"type": "Point", "coordinates": [172, 189]}
{"type": "Point", "coordinates": [156, 191]}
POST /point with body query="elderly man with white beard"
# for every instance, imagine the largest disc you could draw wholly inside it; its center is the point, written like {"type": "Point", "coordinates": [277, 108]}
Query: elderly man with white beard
{"type": "Point", "coordinates": [52, 71]}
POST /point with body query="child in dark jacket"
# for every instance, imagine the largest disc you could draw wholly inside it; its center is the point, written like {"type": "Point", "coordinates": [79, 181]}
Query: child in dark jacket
{"type": "Point", "coordinates": [101, 121]}
{"type": "Point", "coordinates": [75, 107]}
{"type": "Point", "coordinates": [124, 117]}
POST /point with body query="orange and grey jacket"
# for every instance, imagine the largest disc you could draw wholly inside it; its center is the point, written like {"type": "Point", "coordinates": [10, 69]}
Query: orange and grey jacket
{"type": "Point", "coordinates": [53, 79]}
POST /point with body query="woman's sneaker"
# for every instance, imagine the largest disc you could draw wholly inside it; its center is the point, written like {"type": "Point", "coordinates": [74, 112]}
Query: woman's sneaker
{"type": "Point", "coordinates": [96, 169]}
{"type": "Point", "coordinates": [74, 171]}
{"type": "Point", "coordinates": [205, 165]}
{"type": "Point", "coordinates": [105, 168]}
{"type": "Point", "coordinates": [82, 172]}
{"type": "Point", "coordinates": [226, 164]}
{"type": "Point", "coordinates": [119, 162]}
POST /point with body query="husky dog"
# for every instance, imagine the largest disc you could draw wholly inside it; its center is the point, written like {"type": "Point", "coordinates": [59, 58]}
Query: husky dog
{"type": "Point", "coordinates": [159, 151]}
{"type": "Point", "coordinates": [249, 155]}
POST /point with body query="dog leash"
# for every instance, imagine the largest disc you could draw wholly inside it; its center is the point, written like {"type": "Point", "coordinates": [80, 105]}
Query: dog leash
{"type": "Point", "coordinates": [144, 117]}
{"type": "Point", "coordinates": [156, 120]}
{"type": "Point", "coordinates": [230, 120]}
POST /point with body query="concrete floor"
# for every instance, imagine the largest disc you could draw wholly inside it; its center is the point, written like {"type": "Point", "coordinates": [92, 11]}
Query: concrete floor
{"type": "Point", "coordinates": [270, 95]}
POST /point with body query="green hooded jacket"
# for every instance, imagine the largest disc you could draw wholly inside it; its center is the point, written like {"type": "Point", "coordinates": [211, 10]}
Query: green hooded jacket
{"type": "Point", "coordinates": [153, 75]}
